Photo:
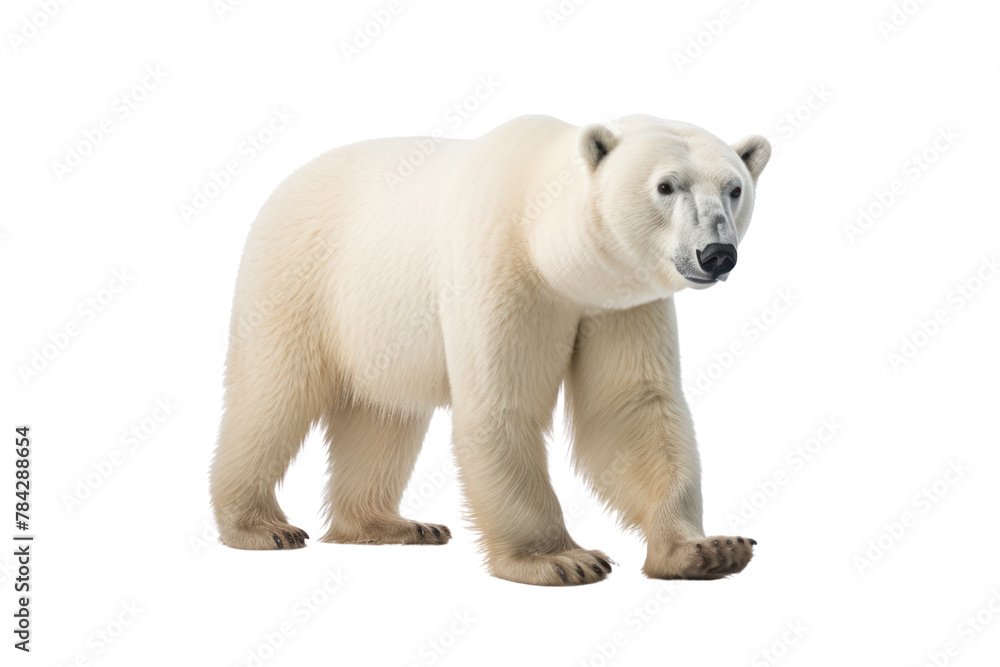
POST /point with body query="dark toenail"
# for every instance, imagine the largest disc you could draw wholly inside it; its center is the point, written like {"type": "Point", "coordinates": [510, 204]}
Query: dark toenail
{"type": "Point", "coordinates": [753, 541]}
{"type": "Point", "coordinates": [420, 529]}
{"type": "Point", "coordinates": [288, 536]}
{"type": "Point", "coordinates": [697, 546]}
{"type": "Point", "coordinates": [304, 534]}
{"type": "Point", "coordinates": [740, 540]}
{"type": "Point", "coordinates": [437, 533]}
{"type": "Point", "coordinates": [598, 571]}
{"type": "Point", "coordinates": [605, 564]}
{"type": "Point", "coordinates": [562, 574]}
{"type": "Point", "coordinates": [729, 541]}
{"type": "Point", "coordinates": [579, 571]}
{"type": "Point", "coordinates": [277, 540]}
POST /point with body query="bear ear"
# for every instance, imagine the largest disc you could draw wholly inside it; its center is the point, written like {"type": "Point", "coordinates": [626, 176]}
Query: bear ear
{"type": "Point", "coordinates": [596, 141]}
{"type": "Point", "coordinates": [755, 151]}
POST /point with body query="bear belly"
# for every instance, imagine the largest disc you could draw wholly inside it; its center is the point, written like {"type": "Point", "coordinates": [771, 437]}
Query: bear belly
{"type": "Point", "coordinates": [388, 348]}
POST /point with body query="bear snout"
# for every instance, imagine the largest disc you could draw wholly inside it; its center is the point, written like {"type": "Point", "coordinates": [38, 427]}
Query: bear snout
{"type": "Point", "coordinates": [717, 259]}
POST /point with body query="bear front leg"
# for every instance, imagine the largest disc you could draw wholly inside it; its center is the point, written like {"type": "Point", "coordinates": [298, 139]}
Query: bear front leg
{"type": "Point", "coordinates": [633, 440]}
{"type": "Point", "coordinates": [505, 369]}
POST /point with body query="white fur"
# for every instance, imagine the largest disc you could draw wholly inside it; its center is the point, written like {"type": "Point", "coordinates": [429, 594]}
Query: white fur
{"type": "Point", "coordinates": [501, 268]}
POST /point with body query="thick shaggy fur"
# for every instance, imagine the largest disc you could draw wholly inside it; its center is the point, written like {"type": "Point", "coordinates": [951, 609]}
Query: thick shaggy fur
{"type": "Point", "coordinates": [498, 270]}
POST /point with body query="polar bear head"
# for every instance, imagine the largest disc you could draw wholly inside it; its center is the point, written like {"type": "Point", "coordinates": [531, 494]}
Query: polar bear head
{"type": "Point", "coordinates": [668, 202]}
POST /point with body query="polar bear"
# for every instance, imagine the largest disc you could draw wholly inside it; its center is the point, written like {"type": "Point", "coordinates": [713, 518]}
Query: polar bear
{"type": "Point", "coordinates": [389, 278]}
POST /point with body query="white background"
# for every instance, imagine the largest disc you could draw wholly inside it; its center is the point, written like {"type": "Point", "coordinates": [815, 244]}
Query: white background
{"type": "Point", "coordinates": [848, 104]}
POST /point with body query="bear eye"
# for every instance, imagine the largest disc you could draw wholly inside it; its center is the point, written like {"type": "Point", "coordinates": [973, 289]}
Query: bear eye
{"type": "Point", "coordinates": [666, 188]}
{"type": "Point", "coordinates": [735, 193]}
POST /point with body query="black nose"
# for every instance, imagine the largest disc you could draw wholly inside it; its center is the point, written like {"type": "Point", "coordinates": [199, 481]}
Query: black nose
{"type": "Point", "coordinates": [717, 258]}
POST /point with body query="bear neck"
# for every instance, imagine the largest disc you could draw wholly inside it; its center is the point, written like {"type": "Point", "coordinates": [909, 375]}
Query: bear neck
{"type": "Point", "coordinates": [568, 249]}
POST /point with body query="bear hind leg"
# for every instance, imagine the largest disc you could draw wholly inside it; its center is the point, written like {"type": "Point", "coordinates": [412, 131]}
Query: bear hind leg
{"type": "Point", "coordinates": [372, 454]}
{"type": "Point", "coordinates": [268, 412]}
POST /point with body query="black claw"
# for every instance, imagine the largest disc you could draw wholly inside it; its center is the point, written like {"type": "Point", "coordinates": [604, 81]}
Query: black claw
{"type": "Point", "coordinates": [740, 540]}
{"type": "Point", "coordinates": [598, 571]}
{"type": "Point", "coordinates": [729, 541]}
{"type": "Point", "coordinates": [437, 533]}
{"type": "Point", "coordinates": [605, 564]}
{"type": "Point", "coordinates": [579, 571]}
{"type": "Point", "coordinates": [753, 542]}
{"type": "Point", "coordinates": [305, 535]}
{"type": "Point", "coordinates": [277, 540]}
{"type": "Point", "coordinates": [562, 574]}
{"type": "Point", "coordinates": [697, 546]}
{"type": "Point", "coordinates": [420, 529]}
{"type": "Point", "coordinates": [288, 536]}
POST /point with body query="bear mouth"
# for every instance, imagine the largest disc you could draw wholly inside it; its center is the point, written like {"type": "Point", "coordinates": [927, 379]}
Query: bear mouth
{"type": "Point", "coordinates": [689, 272]}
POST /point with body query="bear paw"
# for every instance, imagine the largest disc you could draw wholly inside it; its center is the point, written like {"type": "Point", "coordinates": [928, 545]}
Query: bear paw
{"type": "Point", "coordinates": [713, 557]}
{"type": "Point", "coordinates": [401, 531]}
{"type": "Point", "coordinates": [563, 568]}
{"type": "Point", "coordinates": [267, 536]}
